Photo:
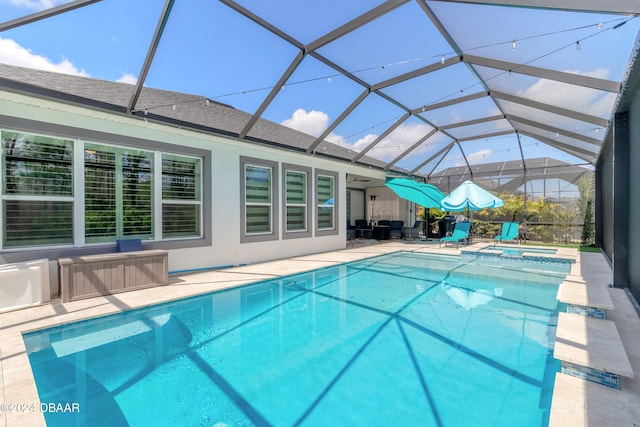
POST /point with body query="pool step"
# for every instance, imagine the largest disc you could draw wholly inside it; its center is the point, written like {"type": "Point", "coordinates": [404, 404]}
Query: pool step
{"type": "Point", "coordinates": [588, 299]}
{"type": "Point", "coordinates": [591, 349]}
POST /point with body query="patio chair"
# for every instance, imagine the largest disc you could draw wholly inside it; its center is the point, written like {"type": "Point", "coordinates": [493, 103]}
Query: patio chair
{"type": "Point", "coordinates": [396, 229]}
{"type": "Point", "coordinates": [351, 231]}
{"type": "Point", "coordinates": [362, 228]}
{"type": "Point", "coordinates": [460, 233]}
{"type": "Point", "coordinates": [413, 232]}
{"type": "Point", "coordinates": [509, 232]}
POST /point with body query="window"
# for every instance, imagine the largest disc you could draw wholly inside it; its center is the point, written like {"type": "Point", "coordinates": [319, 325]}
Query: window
{"type": "Point", "coordinates": [118, 193]}
{"type": "Point", "coordinates": [258, 199]}
{"type": "Point", "coordinates": [181, 196]}
{"type": "Point", "coordinates": [258, 192]}
{"type": "Point", "coordinates": [296, 199]}
{"type": "Point", "coordinates": [58, 191]}
{"type": "Point", "coordinates": [37, 190]}
{"type": "Point", "coordinates": [326, 197]}
{"type": "Point", "coordinates": [296, 194]}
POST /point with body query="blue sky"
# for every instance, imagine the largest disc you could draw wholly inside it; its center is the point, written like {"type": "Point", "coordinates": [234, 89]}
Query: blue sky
{"type": "Point", "coordinates": [210, 50]}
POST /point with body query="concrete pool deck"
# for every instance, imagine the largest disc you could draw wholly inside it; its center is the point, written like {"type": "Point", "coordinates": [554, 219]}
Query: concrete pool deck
{"type": "Point", "coordinates": [575, 403]}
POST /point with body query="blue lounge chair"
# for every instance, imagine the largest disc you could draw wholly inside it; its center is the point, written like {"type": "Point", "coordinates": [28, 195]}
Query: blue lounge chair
{"type": "Point", "coordinates": [460, 232]}
{"type": "Point", "coordinates": [510, 231]}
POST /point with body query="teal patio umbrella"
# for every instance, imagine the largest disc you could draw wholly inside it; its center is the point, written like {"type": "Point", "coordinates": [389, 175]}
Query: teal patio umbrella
{"type": "Point", "coordinates": [425, 195]}
{"type": "Point", "coordinates": [470, 196]}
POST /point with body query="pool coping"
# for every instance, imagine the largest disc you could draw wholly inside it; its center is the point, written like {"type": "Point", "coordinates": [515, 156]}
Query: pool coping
{"type": "Point", "coordinates": [16, 379]}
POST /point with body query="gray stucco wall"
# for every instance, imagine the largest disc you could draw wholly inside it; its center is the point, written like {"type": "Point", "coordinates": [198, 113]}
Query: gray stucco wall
{"type": "Point", "coordinates": [604, 199]}
{"type": "Point", "coordinates": [633, 187]}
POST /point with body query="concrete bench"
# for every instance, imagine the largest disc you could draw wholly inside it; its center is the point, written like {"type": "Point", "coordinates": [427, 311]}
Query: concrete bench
{"type": "Point", "coordinates": [94, 275]}
{"type": "Point", "coordinates": [591, 349]}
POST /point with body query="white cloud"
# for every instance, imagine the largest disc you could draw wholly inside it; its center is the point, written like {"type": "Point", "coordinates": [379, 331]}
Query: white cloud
{"type": "Point", "coordinates": [400, 140]}
{"type": "Point", "coordinates": [476, 157]}
{"type": "Point", "coordinates": [12, 53]}
{"type": "Point", "coordinates": [312, 122]}
{"type": "Point", "coordinates": [128, 78]}
{"type": "Point", "coordinates": [572, 96]}
{"type": "Point", "coordinates": [363, 142]}
{"type": "Point", "coordinates": [34, 4]}
{"type": "Point", "coordinates": [315, 122]}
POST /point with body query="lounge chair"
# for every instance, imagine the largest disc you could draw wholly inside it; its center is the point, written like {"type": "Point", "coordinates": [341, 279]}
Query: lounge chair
{"type": "Point", "coordinates": [413, 232]}
{"type": "Point", "coordinates": [460, 233]}
{"type": "Point", "coordinates": [510, 231]}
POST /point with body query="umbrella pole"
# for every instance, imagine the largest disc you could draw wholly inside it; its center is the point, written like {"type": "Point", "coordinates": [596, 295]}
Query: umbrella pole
{"type": "Point", "coordinates": [425, 225]}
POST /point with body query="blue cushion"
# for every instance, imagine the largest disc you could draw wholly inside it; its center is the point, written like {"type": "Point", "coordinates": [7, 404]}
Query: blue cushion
{"type": "Point", "coordinates": [128, 245]}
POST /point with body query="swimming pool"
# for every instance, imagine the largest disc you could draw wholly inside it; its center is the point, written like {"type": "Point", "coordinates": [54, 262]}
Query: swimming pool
{"type": "Point", "coordinates": [403, 338]}
{"type": "Point", "coordinates": [519, 250]}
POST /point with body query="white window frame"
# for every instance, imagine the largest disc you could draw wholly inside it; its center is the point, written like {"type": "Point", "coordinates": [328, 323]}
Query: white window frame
{"type": "Point", "coordinates": [336, 202]}
{"type": "Point", "coordinates": [307, 232]}
{"type": "Point", "coordinates": [162, 201]}
{"type": "Point", "coordinates": [77, 200]}
{"type": "Point", "coordinates": [37, 198]}
{"type": "Point", "coordinates": [119, 150]}
{"type": "Point", "coordinates": [273, 233]}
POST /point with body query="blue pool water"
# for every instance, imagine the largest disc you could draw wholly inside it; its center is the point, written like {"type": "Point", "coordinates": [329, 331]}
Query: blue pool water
{"type": "Point", "coordinates": [519, 250]}
{"type": "Point", "coordinates": [402, 339]}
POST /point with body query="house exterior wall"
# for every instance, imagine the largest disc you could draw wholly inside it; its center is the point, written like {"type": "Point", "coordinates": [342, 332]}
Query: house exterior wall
{"type": "Point", "coordinates": [221, 243]}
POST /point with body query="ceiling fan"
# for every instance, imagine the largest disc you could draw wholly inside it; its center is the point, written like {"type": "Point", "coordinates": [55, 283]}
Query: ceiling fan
{"type": "Point", "coordinates": [354, 178]}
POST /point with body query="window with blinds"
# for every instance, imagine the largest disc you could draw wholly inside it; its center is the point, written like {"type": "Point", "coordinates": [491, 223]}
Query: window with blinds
{"type": "Point", "coordinates": [325, 191]}
{"type": "Point", "coordinates": [37, 190]}
{"type": "Point", "coordinates": [296, 200]}
{"type": "Point", "coordinates": [118, 193]}
{"type": "Point", "coordinates": [258, 203]}
{"type": "Point", "coordinates": [99, 195]}
{"type": "Point", "coordinates": [181, 196]}
{"type": "Point", "coordinates": [39, 199]}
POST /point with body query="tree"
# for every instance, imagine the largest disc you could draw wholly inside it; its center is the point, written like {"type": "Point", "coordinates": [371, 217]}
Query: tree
{"type": "Point", "coordinates": [587, 226]}
{"type": "Point", "coordinates": [585, 209]}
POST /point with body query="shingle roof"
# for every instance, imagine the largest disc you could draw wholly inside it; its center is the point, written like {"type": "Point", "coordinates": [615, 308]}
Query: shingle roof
{"type": "Point", "coordinates": [165, 106]}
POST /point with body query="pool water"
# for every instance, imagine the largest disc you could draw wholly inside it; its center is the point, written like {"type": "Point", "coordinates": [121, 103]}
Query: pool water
{"type": "Point", "coordinates": [519, 250]}
{"type": "Point", "coordinates": [402, 339]}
